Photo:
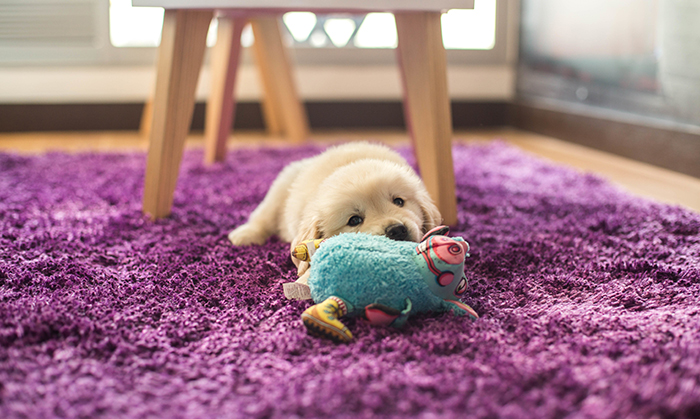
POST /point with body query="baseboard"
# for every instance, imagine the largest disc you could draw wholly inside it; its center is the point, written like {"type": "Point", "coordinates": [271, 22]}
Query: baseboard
{"type": "Point", "coordinates": [331, 114]}
{"type": "Point", "coordinates": [663, 144]}
{"type": "Point", "coordinates": [100, 117]}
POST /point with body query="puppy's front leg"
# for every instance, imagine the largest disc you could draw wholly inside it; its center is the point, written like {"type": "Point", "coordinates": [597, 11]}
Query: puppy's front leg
{"type": "Point", "coordinates": [249, 233]}
{"type": "Point", "coordinates": [264, 221]}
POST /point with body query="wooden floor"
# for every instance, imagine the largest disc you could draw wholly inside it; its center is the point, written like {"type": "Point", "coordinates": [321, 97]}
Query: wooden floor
{"type": "Point", "coordinates": [639, 178]}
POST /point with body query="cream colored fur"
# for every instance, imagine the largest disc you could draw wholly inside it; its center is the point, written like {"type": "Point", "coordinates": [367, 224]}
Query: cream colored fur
{"type": "Point", "coordinates": [316, 197]}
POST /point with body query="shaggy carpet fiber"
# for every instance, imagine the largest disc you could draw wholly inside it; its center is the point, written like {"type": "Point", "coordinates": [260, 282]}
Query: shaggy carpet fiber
{"type": "Point", "coordinates": [589, 301]}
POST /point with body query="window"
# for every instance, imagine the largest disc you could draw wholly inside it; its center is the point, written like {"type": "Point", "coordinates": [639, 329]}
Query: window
{"type": "Point", "coordinates": [473, 29]}
{"type": "Point", "coordinates": [637, 57]}
{"type": "Point", "coordinates": [140, 26]}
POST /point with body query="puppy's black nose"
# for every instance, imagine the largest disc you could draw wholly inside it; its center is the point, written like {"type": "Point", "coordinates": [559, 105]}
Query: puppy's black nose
{"type": "Point", "coordinates": [397, 232]}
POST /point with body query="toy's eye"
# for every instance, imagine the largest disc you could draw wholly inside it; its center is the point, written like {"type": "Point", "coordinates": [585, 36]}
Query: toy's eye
{"type": "Point", "coordinates": [355, 220]}
{"type": "Point", "coordinates": [461, 287]}
{"type": "Point", "coordinates": [398, 202]}
{"type": "Point", "coordinates": [455, 249]}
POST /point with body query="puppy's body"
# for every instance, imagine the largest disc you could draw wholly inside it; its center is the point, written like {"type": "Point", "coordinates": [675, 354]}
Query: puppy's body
{"type": "Point", "coordinates": [359, 187]}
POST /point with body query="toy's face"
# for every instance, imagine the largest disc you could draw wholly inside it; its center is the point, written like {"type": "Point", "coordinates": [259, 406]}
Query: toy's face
{"type": "Point", "coordinates": [441, 261]}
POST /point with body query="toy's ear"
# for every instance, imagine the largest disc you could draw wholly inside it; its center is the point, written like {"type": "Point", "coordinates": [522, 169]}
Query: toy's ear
{"type": "Point", "coordinates": [431, 215]}
{"type": "Point", "coordinates": [308, 230]}
{"type": "Point", "coordinates": [437, 231]}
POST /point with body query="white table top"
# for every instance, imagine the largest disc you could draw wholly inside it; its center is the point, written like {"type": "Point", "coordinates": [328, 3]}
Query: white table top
{"type": "Point", "coordinates": [313, 5]}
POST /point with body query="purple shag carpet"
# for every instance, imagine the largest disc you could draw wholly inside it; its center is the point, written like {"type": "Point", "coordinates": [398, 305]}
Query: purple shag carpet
{"type": "Point", "coordinates": [589, 301]}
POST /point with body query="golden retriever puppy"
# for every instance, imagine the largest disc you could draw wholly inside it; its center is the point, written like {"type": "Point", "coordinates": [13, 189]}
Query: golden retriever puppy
{"type": "Point", "coordinates": [356, 187]}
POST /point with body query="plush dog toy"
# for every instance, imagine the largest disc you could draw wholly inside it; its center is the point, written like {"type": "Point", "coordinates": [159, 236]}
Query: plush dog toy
{"type": "Point", "coordinates": [356, 274]}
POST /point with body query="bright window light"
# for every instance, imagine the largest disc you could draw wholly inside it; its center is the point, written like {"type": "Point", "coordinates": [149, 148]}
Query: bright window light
{"type": "Point", "coordinates": [141, 26]}
{"type": "Point", "coordinates": [339, 30]}
{"type": "Point", "coordinates": [378, 30]}
{"type": "Point", "coordinates": [318, 39]}
{"type": "Point", "coordinates": [473, 29]}
{"type": "Point", "coordinates": [300, 24]}
{"type": "Point", "coordinates": [213, 32]}
{"type": "Point", "coordinates": [247, 37]}
{"type": "Point", "coordinates": [470, 29]}
{"type": "Point", "coordinates": [134, 26]}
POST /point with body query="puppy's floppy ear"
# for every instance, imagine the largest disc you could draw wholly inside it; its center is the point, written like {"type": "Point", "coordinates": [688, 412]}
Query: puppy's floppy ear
{"type": "Point", "coordinates": [309, 229]}
{"type": "Point", "coordinates": [431, 215]}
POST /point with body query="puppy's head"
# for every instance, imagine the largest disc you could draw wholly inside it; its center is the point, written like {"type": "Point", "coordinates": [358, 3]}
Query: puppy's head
{"type": "Point", "coordinates": [371, 196]}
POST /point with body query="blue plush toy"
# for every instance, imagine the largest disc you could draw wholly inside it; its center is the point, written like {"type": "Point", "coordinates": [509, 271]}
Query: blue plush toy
{"type": "Point", "coordinates": [358, 274]}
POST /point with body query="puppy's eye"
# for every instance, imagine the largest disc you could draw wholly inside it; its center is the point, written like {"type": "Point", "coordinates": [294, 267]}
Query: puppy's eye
{"type": "Point", "coordinates": [398, 202]}
{"type": "Point", "coordinates": [355, 220]}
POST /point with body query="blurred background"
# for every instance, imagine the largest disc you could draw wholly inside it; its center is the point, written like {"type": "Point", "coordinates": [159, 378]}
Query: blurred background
{"type": "Point", "coordinates": [101, 51]}
{"type": "Point", "coordinates": [636, 56]}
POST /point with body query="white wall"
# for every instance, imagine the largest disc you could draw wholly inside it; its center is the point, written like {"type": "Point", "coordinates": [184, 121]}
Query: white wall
{"type": "Point", "coordinates": [134, 84]}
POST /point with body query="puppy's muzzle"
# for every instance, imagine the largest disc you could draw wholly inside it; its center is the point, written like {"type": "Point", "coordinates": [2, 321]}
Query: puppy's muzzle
{"type": "Point", "coordinates": [397, 232]}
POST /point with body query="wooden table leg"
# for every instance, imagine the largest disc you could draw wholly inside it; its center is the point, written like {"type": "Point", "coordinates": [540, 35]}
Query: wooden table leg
{"type": "Point", "coordinates": [146, 118]}
{"type": "Point", "coordinates": [282, 106]}
{"type": "Point", "coordinates": [423, 64]}
{"type": "Point", "coordinates": [221, 106]}
{"type": "Point", "coordinates": [180, 59]}
{"type": "Point", "coordinates": [271, 107]}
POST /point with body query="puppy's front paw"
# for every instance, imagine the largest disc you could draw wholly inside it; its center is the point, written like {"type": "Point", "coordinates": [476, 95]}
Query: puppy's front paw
{"type": "Point", "coordinates": [247, 234]}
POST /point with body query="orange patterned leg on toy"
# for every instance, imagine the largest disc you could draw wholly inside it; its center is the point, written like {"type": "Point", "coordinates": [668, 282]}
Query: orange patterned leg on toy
{"type": "Point", "coordinates": [322, 320]}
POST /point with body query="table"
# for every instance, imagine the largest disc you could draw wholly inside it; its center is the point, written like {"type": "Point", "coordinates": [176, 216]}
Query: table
{"type": "Point", "coordinates": [420, 53]}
